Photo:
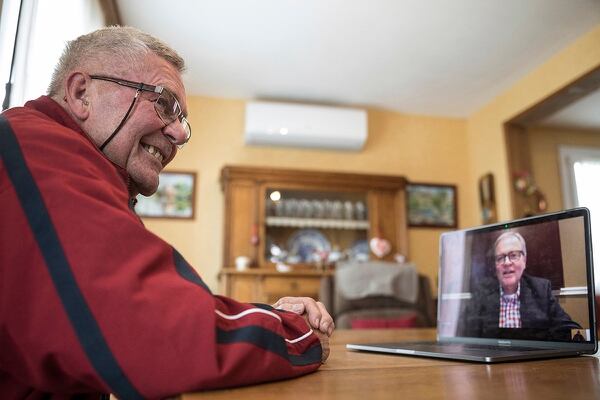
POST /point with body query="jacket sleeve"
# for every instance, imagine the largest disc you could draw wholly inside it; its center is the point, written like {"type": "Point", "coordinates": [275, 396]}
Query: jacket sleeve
{"type": "Point", "coordinates": [541, 312]}
{"type": "Point", "coordinates": [92, 302]}
{"type": "Point", "coordinates": [559, 320]}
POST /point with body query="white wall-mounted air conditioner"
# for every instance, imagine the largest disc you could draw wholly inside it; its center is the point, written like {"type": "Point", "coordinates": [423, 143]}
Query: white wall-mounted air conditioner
{"type": "Point", "coordinates": [299, 125]}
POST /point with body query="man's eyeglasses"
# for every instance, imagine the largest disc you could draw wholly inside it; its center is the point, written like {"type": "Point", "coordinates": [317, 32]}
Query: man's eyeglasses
{"type": "Point", "coordinates": [513, 256]}
{"type": "Point", "coordinates": [166, 105]}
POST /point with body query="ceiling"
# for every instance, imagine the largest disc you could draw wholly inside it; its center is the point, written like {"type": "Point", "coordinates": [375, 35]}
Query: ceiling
{"type": "Point", "coordinates": [582, 114]}
{"type": "Point", "coordinates": [430, 57]}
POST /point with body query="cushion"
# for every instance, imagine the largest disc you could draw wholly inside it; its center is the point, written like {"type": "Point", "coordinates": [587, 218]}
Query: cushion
{"type": "Point", "coordinates": [384, 323]}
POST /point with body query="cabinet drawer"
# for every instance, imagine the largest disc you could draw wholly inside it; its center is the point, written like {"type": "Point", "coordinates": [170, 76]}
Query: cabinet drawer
{"type": "Point", "coordinates": [292, 286]}
{"type": "Point", "coordinates": [244, 288]}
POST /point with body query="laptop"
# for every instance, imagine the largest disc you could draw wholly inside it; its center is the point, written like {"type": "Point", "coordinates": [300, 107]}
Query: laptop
{"type": "Point", "coordinates": [512, 291]}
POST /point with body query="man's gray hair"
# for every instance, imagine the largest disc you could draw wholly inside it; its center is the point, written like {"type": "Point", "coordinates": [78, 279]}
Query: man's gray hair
{"type": "Point", "coordinates": [509, 234]}
{"type": "Point", "coordinates": [107, 48]}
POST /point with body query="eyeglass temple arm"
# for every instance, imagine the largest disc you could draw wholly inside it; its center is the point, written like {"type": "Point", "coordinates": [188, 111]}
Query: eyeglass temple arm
{"type": "Point", "coordinates": [137, 93]}
{"type": "Point", "coordinates": [135, 85]}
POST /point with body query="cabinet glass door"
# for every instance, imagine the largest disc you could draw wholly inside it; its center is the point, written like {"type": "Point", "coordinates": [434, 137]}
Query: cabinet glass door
{"type": "Point", "coordinates": [314, 229]}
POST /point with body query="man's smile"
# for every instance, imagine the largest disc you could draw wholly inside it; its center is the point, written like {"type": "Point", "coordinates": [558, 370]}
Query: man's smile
{"type": "Point", "coordinates": [154, 151]}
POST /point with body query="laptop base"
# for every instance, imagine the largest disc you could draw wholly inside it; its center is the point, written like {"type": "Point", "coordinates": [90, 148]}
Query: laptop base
{"type": "Point", "coordinates": [464, 352]}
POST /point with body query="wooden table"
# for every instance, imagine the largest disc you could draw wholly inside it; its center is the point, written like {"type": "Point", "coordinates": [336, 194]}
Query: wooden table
{"type": "Point", "coordinates": [366, 376]}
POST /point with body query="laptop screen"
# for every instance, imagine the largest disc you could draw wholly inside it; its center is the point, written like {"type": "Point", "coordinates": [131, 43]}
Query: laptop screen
{"type": "Point", "coordinates": [530, 279]}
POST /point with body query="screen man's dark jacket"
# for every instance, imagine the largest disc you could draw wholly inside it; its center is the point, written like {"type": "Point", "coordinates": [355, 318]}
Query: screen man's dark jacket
{"type": "Point", "coordinates": [542, 317]}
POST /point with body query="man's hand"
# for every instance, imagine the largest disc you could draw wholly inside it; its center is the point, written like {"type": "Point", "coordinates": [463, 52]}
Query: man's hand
{"type": "Point", "coordinates": [324, 339]}
{"type": "Point", "coordinates": [314, 312]}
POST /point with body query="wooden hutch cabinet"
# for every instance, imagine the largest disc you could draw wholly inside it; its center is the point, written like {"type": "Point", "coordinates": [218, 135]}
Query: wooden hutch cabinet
{"type": "Point", "coordinates": [300, 222]}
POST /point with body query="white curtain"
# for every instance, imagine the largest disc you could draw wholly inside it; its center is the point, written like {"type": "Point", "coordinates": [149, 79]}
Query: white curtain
{"type": "Point", "coordinates": [46, 25]}
{"type": "Point", "coordinates": [8, 26]}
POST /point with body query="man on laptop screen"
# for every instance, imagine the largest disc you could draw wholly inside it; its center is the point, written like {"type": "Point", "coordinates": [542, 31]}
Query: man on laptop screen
{"type": "Point", "coordinates": [514, 304]}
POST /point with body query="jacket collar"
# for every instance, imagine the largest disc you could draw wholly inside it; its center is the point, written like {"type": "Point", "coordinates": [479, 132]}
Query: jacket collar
{"type": "Point", "coordinates": [47, 105]}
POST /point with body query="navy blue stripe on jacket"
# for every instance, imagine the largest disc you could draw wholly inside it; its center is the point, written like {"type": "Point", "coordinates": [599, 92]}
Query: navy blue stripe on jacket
{"type": "Point", "coordinates": [270, 341]}
{"type": "Point", "coordinates": [185, 270]}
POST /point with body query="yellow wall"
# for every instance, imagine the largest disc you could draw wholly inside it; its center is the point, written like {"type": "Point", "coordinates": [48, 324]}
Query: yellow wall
{"type": "Point", "coordinates": [485, 133]}
{"type": "Point", "coordinates": [440, 150]}
{"type": "Point", "coordinates": [421, 148]}
{"type": "Point", "coordinates": [543, 147]}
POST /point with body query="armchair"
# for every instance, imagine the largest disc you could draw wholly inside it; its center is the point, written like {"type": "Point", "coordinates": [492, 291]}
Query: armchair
{"type": "Point", "coordinates": [378, 295]}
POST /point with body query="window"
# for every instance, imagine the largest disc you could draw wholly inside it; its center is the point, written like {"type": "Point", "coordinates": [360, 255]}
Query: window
{"type": "Point", "coordinates": [580, 169]}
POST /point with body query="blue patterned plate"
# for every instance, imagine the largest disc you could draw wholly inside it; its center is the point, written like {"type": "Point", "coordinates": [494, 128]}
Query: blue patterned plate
{"type": "Point", "coordinates": [307, 243]}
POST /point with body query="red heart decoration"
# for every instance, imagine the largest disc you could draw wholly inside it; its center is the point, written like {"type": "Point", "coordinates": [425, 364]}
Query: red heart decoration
{"type": "Point", "coordinates": [380, 247]}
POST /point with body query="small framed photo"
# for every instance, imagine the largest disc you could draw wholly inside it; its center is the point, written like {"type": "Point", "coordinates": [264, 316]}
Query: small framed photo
{"type": "Point", "coordinates": [431, 205]}
{"type": "Point", "coordinates": [174, 197]}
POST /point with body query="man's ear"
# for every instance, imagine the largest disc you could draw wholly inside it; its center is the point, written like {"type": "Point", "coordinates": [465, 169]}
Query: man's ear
{"type": "Point", "coordinates": [76, 95]}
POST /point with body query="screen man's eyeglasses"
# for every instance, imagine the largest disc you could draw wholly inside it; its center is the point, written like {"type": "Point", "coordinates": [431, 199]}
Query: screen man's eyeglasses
{"type": "Point", "coordinates": [512, 256]}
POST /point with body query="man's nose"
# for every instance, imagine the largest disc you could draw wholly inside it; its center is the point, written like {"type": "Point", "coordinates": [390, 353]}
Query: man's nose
{"type": "Point", "coordinates": [506, 260]}
{"type": "Point", "coordinates": [175, 132]}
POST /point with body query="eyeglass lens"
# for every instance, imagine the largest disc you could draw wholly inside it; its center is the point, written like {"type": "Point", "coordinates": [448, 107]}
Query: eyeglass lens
{"type": "Point", "coordinates": [512, 257]}
{"type": "Point", "coordinates": [168, 109]}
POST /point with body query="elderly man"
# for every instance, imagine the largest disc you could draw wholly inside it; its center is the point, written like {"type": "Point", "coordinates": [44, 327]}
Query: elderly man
{"type": "Point", "coordinates": [90, 301]}
{"type": "Point", "coordinates": [515, 300]}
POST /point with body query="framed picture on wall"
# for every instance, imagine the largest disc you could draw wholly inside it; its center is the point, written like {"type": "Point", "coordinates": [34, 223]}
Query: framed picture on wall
{"type": "Point", "coordinates": [174, 198]}
{"type": "Point", "coordinates": [431, 205]}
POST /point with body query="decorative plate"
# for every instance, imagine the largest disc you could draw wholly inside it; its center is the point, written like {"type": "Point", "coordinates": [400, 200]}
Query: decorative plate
{"type": "Point", "coordinates": [307, 244]}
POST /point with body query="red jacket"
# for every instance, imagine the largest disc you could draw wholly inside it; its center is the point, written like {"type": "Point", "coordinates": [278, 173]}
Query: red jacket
{"type": "Point", "coordinates": [91, 302]}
